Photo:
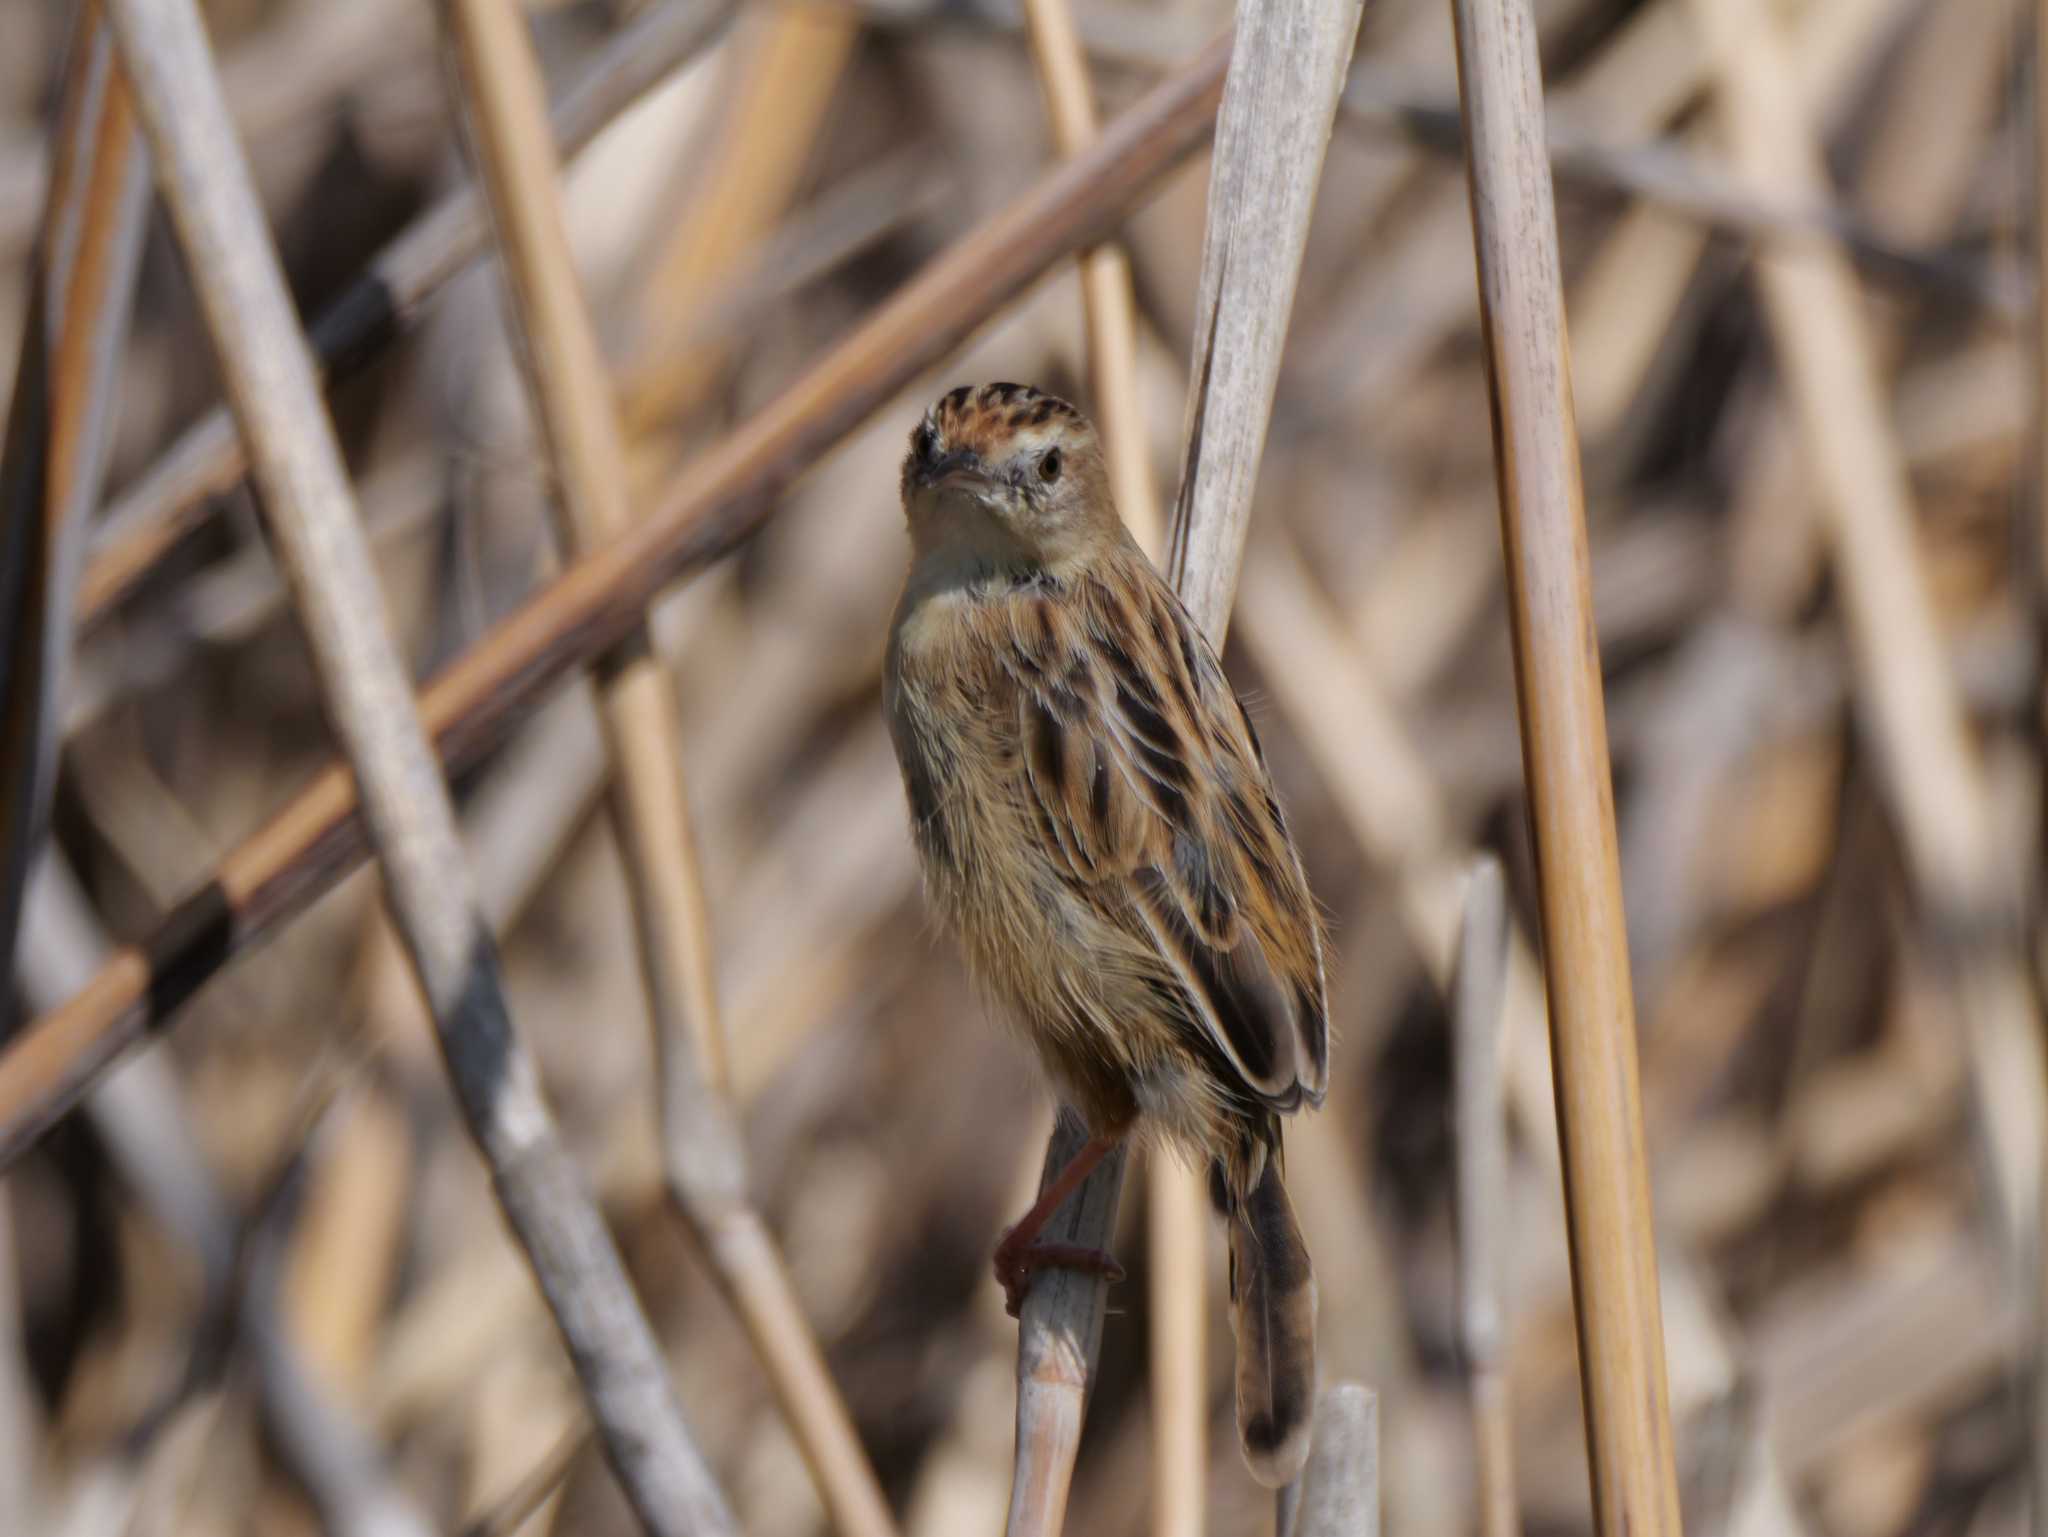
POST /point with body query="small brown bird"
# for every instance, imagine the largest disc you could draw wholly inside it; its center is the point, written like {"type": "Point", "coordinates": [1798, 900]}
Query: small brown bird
{"type": "Point", "coordinates": [1096, 823]}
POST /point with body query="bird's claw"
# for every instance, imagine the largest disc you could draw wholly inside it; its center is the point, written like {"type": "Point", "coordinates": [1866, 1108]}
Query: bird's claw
{"type": "Point", "coordinates": [1016, 1264]}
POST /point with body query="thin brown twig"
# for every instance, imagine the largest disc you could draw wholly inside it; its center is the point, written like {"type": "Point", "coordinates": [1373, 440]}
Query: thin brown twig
{"type": "Point", "coordinates": [272, 386]}
{"type": "Point", "coordinates": [719, 503]}
{"type": "Point", "coordinates": [1564, 749]}
{"type": "Point", "coordinates": [174, 495]}
{"type": "Point", "coordinates": [59, 419]}
{"type": "Point", "coordinates": [702, 1156]}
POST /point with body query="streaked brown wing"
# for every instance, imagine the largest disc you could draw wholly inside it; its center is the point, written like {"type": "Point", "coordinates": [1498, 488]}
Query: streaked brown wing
{"type": "Point", "coordinates": [1144, 774]}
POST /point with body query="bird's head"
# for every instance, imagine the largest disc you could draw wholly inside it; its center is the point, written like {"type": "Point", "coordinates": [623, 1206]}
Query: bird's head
{"type": "Point", "coordinates": [1007, 476]}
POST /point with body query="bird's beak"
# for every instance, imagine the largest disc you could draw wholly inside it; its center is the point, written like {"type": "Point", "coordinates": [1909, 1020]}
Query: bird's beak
{"type": "Point", "coordinates": [961, 470]}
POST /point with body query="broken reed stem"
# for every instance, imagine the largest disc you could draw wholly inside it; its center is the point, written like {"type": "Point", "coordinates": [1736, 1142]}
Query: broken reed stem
{"type": "Point", "coordinates": [269, 375]}
{"type": "Point", "coordinates": [59, 419]}
{"type": "Point", "coordinates": [1338, 1493]}
{"type": "Point", "coordinates": [1059, 1336]}
{"type": "Point", "coordinates": [1178, 1204]}
{"type": "Point", "coordinates": [702, 1156]}
{"type": "Point", "coordinates": [174, 496]}
{"type": "Point", "coordinates": [1478, 1041]}
{"type": "Point", "coordinates": [719, 502]}
{"type": "Point", "coordinates": [1564, 750]}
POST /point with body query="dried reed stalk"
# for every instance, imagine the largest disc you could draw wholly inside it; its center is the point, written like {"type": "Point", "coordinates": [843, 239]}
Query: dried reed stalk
{"type": "Point", "coordinates": [1478, 1012]}
{"type": "Point", "coordinates": [1177, 1203]}
{"type": "Point", "coordinates": [1564, 748]}
{"type": "Point", "coordinates": [702, 1155]}
{"type": "Point", "coordinates": [59, 417]}
{"type": "Point", "coordinates": [1338, 1494]}
{"type": "Point", "coordinates": [789, 62]}
{"type": "Point", "coordinates": [719, 503]}
{"type": "Point", "coordinates": [1105, 280]}
{"type": "Point", "coordinates": [174, 495]}
{"type": "Point", "coordinates": [1059, 1335]}
{"type": "Point", "coordinates": [273, 389]}
{"type": "Point", "coordinates": [1286, 72]}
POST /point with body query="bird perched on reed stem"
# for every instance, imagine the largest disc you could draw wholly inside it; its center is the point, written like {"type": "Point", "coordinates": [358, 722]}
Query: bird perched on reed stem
{"type": "Point", "coordinates": [1095, 822]}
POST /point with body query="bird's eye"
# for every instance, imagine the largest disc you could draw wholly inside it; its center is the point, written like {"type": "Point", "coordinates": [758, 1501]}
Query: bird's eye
{"type": "Point", "coordinates": [1049, 466]}
{"type": "Point", "coordinates": [925, 442]}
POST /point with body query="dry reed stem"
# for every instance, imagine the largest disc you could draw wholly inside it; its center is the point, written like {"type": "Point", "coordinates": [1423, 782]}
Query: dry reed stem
{"type": "Point", "coordinates": [1564, 741]}
{"type": "Point", "coordinates": [1338, 1494]}
{"type": "Point", "coordinates": [1916, 714]}
{"type": "Point", "coordinates": [271, 384]}
{"type": "Point", "coordinates": [790, 60]}
{"type": "Point", "coordinates": [1279, 100]}
{"type": "Point", "coordinates": [1286, 77]}
{"type": "Point", "coordinates": [174, 495]}
{"type": "Point", "coordinates": [1478, 1014]}
{"type": "Point", "coordinates": [720, 502]}
{"type": "Point", "coordinates": [1059, 1335]}
{"type": "Point", "coordinates": [702, 1155]}
{"type": "Point", "coordinates": [1105, 280]}
{"type": "Point", "coordinates": [59, 418]}
{"type": "Point", "coordinates": [1178, 1207]}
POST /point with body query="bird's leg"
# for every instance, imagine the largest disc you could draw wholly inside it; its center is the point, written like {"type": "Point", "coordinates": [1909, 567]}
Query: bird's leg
{"type": "Point", "coordinates": [1020, 1254]}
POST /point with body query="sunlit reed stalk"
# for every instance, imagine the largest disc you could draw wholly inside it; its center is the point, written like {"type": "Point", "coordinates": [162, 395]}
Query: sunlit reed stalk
{"type": "Point", "coordinates": [1564, 754]}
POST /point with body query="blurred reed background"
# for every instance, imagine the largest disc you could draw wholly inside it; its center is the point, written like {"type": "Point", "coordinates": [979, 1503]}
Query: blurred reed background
{"type": "Point", "coordinates": [262, 1285]}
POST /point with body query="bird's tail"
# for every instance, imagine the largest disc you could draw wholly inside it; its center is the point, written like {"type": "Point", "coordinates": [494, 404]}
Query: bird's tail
{"type": "Point", "coordinates": [1273, 1313]}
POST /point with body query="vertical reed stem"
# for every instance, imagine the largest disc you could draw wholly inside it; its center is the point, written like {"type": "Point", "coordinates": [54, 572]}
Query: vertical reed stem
{"type": "Point", "coordinates": [1564, 751]}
